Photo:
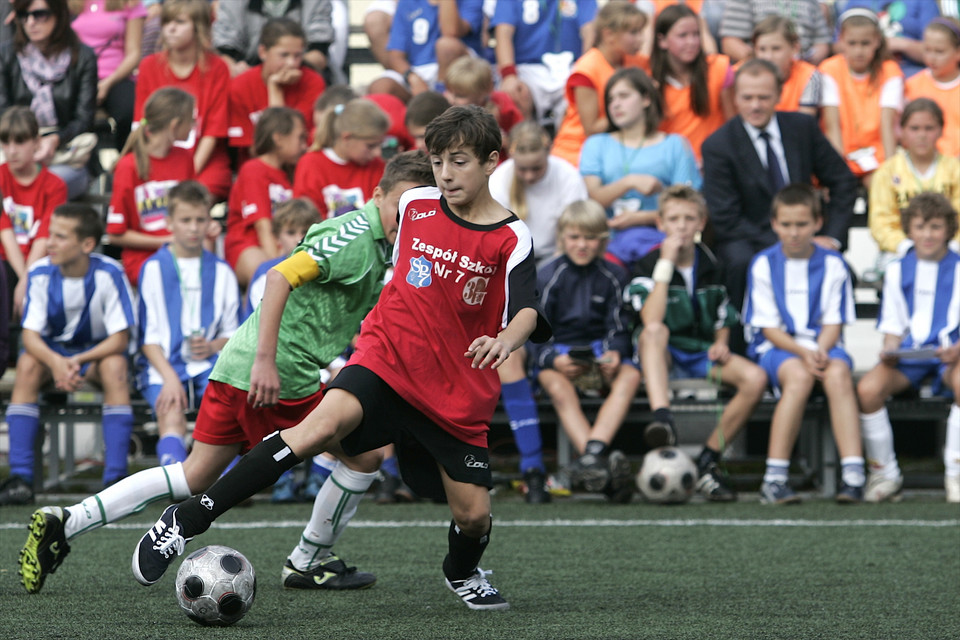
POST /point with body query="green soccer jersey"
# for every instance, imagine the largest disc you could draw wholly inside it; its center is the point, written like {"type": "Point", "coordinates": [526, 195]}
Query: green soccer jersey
{"type": "Point", "coordinates": [322, 316]}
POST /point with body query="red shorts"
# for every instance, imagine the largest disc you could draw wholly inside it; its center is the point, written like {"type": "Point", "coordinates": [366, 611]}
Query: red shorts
{"type": "Point", "coordinates": [226, 418]}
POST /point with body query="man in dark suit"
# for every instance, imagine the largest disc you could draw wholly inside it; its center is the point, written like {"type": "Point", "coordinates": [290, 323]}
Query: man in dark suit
{"type": "Point", "coordinates": [754, 155]}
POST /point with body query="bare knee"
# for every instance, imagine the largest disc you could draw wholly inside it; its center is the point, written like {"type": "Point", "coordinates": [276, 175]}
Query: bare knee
{"type": "Point", "coordinates": [31, 374]}
{"type": "Point", "coordinates": [368, 462]}
{"type": "Point", "coordinates": [474, 521]}
{"type": "Point", "coordinates": [654, 334]}
{"type": "Point", "coordinates": [449, 49]}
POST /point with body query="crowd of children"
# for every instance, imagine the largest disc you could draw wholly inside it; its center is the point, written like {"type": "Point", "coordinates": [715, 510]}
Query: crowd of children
{"type": "Point", "coordinates": [614, 195]}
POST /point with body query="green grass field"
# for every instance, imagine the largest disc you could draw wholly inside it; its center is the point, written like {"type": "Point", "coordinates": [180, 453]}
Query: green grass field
{"type": "Point", "coordinates": [571, 569]}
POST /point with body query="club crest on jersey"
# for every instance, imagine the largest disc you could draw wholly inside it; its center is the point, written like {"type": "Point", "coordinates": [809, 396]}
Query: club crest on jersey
{"type": "Point", "coordinates": [419, 274]}
{"type": "Point", "coordinates": [475, 290]}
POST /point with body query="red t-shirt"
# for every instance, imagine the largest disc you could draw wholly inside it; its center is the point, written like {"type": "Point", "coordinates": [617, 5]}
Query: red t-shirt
{"type": "Point", "coordinates": [208, 83]}
{"type": "Point", "coordinates": [27, 209]}
{"type": "Point", "coordinates": [335, 185]}
{"type": "Point", "coordinates": [141, 205]}
{"type": "Point", "coordinates": [258, 189]}
{"type": "Point", "coordinates": [248, 97]}
{"type": "Point", "coordinates": [449, 287]}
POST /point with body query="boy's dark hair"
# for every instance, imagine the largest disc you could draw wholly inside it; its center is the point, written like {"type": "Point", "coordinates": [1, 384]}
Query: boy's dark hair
{"type": "Point", "coordinates": [89, 224]}
{"type": "Point", "coordinates": [299, 213]}
{"type": "Point", "coordinates": [928, 206]}
{"type": "Point", "coordinates": [755, 67]}
{"type": "Point", "coordinates": [409, 166]}
{"type": "Point", "coordinates": [471, 126]}
{"type": "Point", "coordinates": [18, 124]}
{"type": "Point", "coordinates": [424, 107]}
{"type": "Point", "coordinates": [277, 28]}
{"type": "Point", "coordinates": [794, 194]}
{"type": "Point", "coordinates": [188, 192]}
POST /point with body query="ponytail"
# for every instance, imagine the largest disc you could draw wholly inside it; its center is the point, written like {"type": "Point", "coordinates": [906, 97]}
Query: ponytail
{"type": "Point", "coordinates": [164, 106]}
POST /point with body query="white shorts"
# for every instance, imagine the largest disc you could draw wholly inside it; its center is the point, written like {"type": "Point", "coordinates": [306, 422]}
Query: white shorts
{"type": "Point", "coordinates": [388, 7]}
{"type": "Point", "coordinates": [427, 71]}
{"type": "Point", "coordinates": [547, 82]}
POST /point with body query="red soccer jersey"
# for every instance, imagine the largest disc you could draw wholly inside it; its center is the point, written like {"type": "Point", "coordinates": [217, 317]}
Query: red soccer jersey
{"type": "Point", "coordinates": [208, 83]}
{"type": "Point", "coordinates": [259, 188]}
{"type": "Point", "coordinates": [335, 185]}
{"type": "Point", "coordinates": [27, 209]}
{"type": "Point", "coordinates": [453, 282]}
{"type": "Point", "coordinates": [248, 97]}
{"type": "Point", "coordinates": [141, 205]}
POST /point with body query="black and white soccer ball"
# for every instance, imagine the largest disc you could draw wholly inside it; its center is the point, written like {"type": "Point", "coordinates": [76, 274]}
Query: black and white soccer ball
{"type": "Point", "coordinates": [668, 476]}
{"type": "Point", "coordinates": [216, 586]}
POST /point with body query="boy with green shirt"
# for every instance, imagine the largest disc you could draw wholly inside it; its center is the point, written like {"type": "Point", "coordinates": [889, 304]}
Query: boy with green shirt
{"type": "Point", "coordinates": [268, 377]}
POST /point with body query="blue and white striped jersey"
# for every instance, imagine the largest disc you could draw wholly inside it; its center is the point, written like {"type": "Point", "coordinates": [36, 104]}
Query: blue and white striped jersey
{"type": "Point", "coordinates": [921, 301]}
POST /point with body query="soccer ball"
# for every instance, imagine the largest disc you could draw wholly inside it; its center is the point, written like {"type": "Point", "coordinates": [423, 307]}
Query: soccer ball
{"type": "Point", "coordinates": [216, 585]}
{"type": "Point", "coordinates": [668, 476]}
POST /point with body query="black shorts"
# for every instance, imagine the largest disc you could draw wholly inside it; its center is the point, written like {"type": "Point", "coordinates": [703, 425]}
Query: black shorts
{"type": "Point", "coordinates": [421, 444]}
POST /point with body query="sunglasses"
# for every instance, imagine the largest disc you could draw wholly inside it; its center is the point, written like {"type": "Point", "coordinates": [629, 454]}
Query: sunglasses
{"type": "Point", "coordinates": [38, 15]}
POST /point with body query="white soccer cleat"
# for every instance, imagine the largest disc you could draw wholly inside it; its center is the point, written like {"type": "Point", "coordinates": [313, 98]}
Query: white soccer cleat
{"type": "Point", "coordinates": [882, 489]}
{"type": "Point", "coordinates": [952, 485]}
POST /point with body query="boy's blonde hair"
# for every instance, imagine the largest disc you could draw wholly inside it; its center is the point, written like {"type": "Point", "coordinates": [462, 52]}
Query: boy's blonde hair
{"type": "Point", "coordinates": [470, 76]}
{"type": "Point", "coordinates": [298, 213]}
{"type": "Point", "coordinates": [929, 206]}
{"type": "Point", "coordinates": [682, 193]}
{"type": "Point", "coordinates": [588, 216]}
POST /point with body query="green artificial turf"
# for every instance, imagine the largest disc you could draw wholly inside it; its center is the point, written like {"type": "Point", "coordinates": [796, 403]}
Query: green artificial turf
{"type": "Point", "coordinates": [571, 569]}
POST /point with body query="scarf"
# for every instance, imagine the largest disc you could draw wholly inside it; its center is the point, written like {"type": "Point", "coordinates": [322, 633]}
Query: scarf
{"type": "Point", "coordinates": [40, 74]}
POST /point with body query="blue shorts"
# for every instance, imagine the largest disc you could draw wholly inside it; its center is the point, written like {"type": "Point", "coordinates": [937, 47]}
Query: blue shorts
{"type": "Point", "coordinates": [689, 364]}
{"type": "Point", "coordinates": [772, 359]}
{"type": "Point", "coordinates": [193, 387]}
{"type": "Point", "coordinates": [919, 370]}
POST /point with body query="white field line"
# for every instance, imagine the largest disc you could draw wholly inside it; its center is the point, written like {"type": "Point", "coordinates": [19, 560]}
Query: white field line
{"type": "Point", "coordinates": [692, 522]}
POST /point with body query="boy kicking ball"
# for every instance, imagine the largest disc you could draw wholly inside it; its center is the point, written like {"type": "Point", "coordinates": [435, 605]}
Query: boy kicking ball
{"type": "Point", "coordinates": [423, 375]}
{"type": "Point", "coordinates": [920, 312]}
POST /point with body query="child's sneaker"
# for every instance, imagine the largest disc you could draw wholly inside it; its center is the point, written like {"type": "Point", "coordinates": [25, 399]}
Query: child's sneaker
{"type": "Point", "coordinates": [15, 491]}
{"type": "Point", "coordinates": [158, 548]}
{"type": "Point", "coordinates": [477, 592]}
{"type": "Point", "coordinates": [590, 472]}
{"type": "Point", "coordinates": [535, 485]}
{"type": "Point", "coordinates": [331, 573]}
{"type": "Point", "coordinates": [882, 489]}
{"type": "Point", "coordinates": [45, 549]}
{"type": "Point", "coordinates": [778, 493]}
{"type": "Point", "coordinates": [713, 486]}
{"type": "Point", "coordinates": [285, 490]}
{"type": "Point", "coordinates": [952, 485]}
{"type": "Point", "coordinates": [848, 494]}
{"type": "Point", "coordinates": [621, 485]}
{"type": "Point", "coordinates": [659, 434]}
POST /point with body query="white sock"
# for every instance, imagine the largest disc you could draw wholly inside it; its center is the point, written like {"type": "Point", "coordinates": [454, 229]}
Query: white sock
{"type": "Point", "coordinates": [333, 509]}
{"type": "Point", "coordinates": [951, 449]}
{"type": "Point", "coordinates": [777, 470]}
{"type": "Point", "coordinates": [851, 471]}
{"type": "Point", "coordinates": [130, 495]}
{"type": "Point", "coordinates": [878, 443]}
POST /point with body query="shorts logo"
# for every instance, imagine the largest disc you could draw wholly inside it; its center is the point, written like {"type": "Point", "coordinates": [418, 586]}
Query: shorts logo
{"type": "Point", "coordinates": [419, 274]}
{"type": "Point", "coordinates": [207, 502]}
{"type": "Point", "coordinates": [472, 463]}
{"type": "Point", "coordinates": [475, 290]}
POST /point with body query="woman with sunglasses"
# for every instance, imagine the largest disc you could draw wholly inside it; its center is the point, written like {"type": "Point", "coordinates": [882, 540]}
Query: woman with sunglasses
{"type": "Point", "coordinates": [48, 69]}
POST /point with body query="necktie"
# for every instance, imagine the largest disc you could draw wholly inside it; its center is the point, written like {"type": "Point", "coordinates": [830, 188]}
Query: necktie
{"type": "Point", "coordinates": [774, 173]}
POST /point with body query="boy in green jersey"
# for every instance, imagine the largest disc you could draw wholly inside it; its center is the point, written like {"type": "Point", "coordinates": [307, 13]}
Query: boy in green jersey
{"type": "Point", "coordinates": [268, 377]}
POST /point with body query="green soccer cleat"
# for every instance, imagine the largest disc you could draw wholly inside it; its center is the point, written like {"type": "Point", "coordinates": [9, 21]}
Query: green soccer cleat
{"type": "Point", "coordinates": [45, 549]}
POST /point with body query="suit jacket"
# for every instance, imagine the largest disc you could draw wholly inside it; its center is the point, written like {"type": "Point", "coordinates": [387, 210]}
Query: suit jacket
{"type": "Point", "coordinates": [737, 190]}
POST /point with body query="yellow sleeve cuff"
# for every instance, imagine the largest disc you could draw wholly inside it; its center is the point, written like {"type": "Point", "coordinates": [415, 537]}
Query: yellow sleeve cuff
{"type": "Point", "coordinates": [298, 269]}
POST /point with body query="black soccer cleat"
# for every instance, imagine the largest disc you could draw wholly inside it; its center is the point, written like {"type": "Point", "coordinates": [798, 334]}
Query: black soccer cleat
{"type": "Point", "coordinates": [477, 592]}
{"type": "Point", "coordinates": [45, 548]}
{"type": "Point", "coordinates": [535, 482]}
{"type": "Point", "coordinates": [332, 573]}
{"type": "Point", "coordinates": [159, 547]}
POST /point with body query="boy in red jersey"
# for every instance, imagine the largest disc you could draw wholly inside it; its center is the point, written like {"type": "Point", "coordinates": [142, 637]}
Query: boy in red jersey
{"type": "Point", "coordinates": [423, 376]}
